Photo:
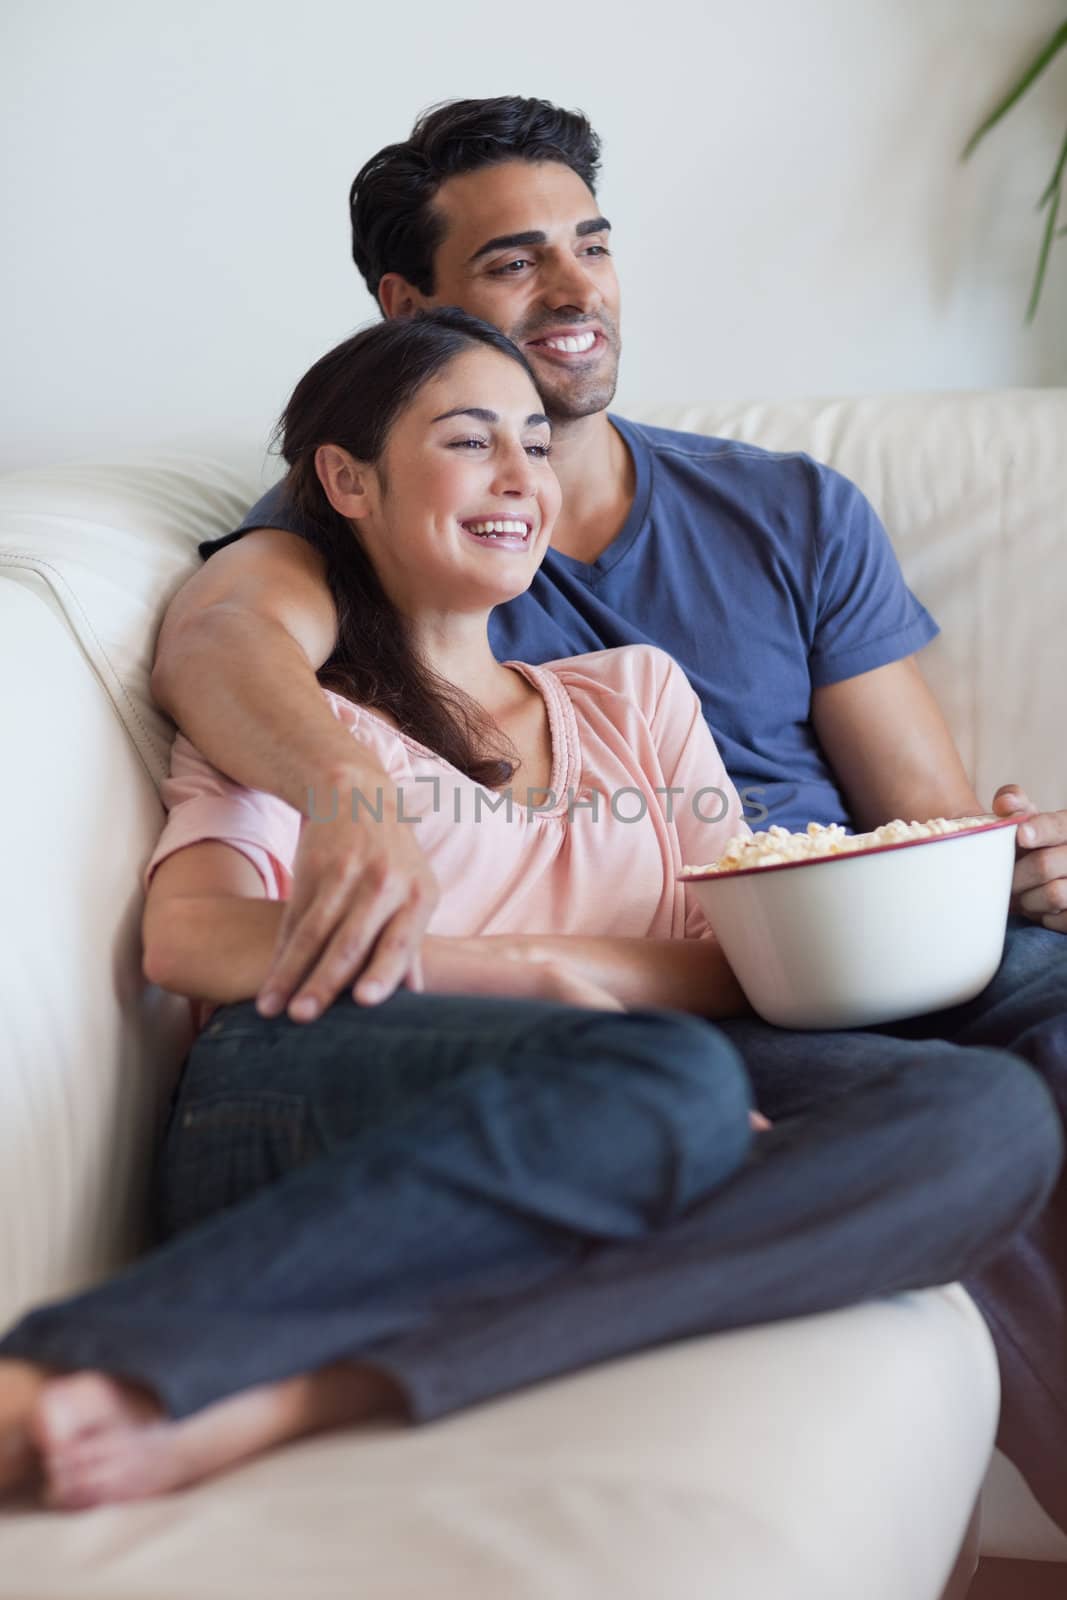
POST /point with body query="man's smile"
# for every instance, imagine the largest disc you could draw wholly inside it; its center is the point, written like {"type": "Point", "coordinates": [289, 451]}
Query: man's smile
{"type": "Point", "coordinates": [569, 344]}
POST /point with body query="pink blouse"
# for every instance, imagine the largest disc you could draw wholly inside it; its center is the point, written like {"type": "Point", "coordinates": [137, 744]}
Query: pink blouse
{"type": "Point", "coordinates": [638, 789]}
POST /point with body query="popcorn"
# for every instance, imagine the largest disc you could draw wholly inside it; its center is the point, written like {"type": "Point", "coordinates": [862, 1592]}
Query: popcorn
{"type": "Point", "coordinates": [777, 845]}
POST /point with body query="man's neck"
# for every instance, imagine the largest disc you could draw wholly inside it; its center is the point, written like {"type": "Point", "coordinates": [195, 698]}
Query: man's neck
{"type": "Point", "coordinates": [596, 473]}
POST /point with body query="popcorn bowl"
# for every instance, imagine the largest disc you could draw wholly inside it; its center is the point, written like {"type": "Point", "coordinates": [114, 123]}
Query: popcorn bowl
{"type": "Point", "coordinates": [869, 936]}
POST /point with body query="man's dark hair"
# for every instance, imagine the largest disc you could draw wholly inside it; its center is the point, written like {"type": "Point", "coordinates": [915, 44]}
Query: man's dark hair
{"type": "Point", "coordinates": [394, 225]}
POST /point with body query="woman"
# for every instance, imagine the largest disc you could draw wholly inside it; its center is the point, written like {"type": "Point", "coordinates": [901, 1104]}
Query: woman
{"type": "Point", "coordinates": [333, 1198]}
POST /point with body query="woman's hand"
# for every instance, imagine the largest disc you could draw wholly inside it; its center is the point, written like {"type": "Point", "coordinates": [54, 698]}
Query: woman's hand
{"type": "Point", "coordinates": [561, 981]}
{"type": "Point", "coordinates": [509, 965]}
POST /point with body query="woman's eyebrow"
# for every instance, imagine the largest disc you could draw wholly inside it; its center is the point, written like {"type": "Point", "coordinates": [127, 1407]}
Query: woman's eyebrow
{"type": "Point", "coordinates": [480, 414]}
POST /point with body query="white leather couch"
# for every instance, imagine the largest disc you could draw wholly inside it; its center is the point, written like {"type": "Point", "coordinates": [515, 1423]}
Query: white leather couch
{"type": "Point", "coordinates": [827, 1458]}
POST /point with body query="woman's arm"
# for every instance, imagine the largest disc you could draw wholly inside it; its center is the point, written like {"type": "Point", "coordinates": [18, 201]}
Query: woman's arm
{"type": "Point", "coordinates": [209, 930]}
{"type": "Point", "coordinates": [217, 947]}
{"type": "Point", "coordinates": [235, 667]}
{"type": "Point", "coordinates": [209, 934]}
{"type": "Point", "coordinates": [679, 974]}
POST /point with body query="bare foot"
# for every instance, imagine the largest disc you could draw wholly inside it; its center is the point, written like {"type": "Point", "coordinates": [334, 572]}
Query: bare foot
{"type": "Point", "coordinates": [102, 1440]}
{"type": "Point", "coordinates": [75, 1411]}
{"type": "Point", "coordinates": [21, 1383]}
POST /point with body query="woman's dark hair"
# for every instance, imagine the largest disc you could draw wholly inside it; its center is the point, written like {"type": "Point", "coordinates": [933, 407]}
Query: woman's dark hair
{"type": "Point", "coordinates": [351, 398]}
{"type": "Point", "coordinates": [394, 225]}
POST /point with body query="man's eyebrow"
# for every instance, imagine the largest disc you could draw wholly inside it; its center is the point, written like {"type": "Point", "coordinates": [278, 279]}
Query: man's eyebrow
{"type": "Point", "coordinates": [508, 241]}
{"type": "Point", "coordinates": [480, 414]}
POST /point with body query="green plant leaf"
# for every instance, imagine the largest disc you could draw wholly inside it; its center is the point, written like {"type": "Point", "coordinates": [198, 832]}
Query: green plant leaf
{"type": "Point", "coordinates": [1042, 260]}
{"type": "Point", "coordinates": [1034, 70]}
{"type": "Point", "coordinates": [1054, 181]}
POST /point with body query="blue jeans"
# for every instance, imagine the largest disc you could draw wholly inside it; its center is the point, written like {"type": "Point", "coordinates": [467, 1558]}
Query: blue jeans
{"type": "Point", "coordinates": [1022, 1293]}
{"type": "Point", "coordinates": [475, 1194]}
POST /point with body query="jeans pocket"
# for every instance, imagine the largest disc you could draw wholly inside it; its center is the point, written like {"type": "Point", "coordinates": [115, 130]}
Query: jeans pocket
{"type": "Point", "coordinates": [221, 1148]}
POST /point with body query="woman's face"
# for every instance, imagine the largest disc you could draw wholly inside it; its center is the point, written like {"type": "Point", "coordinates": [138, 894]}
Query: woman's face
{"type": "Point", "coordinates": [461, 508]}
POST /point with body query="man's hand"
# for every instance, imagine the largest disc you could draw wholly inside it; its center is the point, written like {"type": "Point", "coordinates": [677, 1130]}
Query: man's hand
{"type": "Point", "coordinates": [1039, 887]}
{"type": "Point", "coordinates": [362, 895]}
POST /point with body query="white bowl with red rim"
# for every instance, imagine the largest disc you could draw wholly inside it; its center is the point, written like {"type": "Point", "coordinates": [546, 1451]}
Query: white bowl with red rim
{"type": "Point", "coordinates": [868, 936]}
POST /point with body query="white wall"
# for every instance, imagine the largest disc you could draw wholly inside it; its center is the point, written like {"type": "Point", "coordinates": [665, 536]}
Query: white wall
{"type": "Point", "coordinates": [790, 215]}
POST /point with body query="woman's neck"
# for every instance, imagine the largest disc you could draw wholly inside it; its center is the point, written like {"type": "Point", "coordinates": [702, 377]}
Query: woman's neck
{"type": "Point", "coordinates": [457, 649]}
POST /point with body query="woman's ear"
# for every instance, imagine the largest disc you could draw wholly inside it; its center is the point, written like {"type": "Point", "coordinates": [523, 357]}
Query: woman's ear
{"type": "Point", "coordinates": [345, 480]}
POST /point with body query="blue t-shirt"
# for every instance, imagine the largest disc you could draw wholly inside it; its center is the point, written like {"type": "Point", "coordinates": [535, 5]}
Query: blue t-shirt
{"type": "Point", "coordinates": [764, 574]}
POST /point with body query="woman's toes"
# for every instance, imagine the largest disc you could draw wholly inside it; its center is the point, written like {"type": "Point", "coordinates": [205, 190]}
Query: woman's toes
{"type": "Point", "coordinates": [72, 1494]}
{"type": "Point", "coordinates": [61, 1496]}
{"type": "Point", "coordinates": [110, 1467]}
{"type": "Point", "coordinates": [78, 1475]}
{"type": "Point", "coordinates": [69, 1408]}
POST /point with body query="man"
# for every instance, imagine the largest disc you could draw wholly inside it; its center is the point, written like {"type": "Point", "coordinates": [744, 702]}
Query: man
{"type": "Point", "coordinates": [767, 576]}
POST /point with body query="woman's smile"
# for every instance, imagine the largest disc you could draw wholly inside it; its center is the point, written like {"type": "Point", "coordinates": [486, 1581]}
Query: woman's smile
{"type": "Point", "coordinates": [501, 533]}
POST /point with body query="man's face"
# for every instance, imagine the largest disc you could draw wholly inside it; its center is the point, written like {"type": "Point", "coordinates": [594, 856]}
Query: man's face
{"type": "Point", "coordinates": [526, 248]}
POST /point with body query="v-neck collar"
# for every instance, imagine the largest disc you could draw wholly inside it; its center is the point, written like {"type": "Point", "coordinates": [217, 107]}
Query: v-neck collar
{"type": "Point", "coordinates": [562, 732]}
{"type": "Point", "coordinates": [592, 571]}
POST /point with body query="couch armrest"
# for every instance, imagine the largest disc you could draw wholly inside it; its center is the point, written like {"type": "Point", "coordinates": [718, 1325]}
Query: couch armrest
{"type": "Point", "coordinates": [88, 1050]}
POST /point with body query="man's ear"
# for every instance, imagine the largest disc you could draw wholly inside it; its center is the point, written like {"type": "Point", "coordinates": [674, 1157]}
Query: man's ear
{"type": "Point", "coordinates": [398, 298]}
{"type": "Point", "coordinates": [345, 480]}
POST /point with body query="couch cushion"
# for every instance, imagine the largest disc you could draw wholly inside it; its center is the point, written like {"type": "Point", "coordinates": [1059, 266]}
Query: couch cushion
{"type": "Point", "coordinates": [824, 1459]}
{"type": "Point", "coordinates": [1014, 1526]}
